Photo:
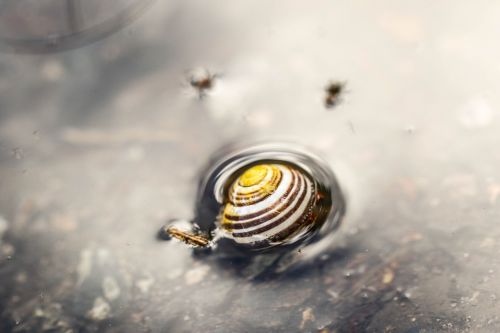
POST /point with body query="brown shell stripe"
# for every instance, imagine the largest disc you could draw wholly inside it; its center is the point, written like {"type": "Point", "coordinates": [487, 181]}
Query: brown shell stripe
{"type": "Point", "coordinates": [271, 208]}
{"type": "Point", "coordinates": [307, 218]}
{"type": "Point", "coordinates": [276, 209]}
{"type": "Point", "coordinates": [279, 221]}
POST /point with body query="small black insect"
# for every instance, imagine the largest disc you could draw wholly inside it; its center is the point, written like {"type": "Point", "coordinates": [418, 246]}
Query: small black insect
{"type": "Point", "coordinates": [202, 81]}
{"type": "Point", "coordinates": [334, 92]}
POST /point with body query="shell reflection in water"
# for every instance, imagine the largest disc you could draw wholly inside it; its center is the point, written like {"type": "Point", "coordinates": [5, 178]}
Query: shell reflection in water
{"type": "Point", "coordinates": [261, 198]}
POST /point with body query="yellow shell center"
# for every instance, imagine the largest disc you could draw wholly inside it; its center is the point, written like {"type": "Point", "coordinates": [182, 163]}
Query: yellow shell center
{"type": "Point", "coordinates": [253, 176]}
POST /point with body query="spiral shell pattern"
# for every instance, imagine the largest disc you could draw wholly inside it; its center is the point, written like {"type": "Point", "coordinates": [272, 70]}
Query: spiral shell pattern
{"type": "Point", "coordinates": [268, 204]}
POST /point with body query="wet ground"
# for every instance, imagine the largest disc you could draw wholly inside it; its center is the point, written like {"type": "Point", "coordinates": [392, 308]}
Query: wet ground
{"type": "Point", "coordinates": [101, 144]}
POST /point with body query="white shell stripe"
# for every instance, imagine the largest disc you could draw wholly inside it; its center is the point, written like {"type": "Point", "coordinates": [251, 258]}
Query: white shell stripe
{"type": "Point", "coordinates": [283, 209]}
{"type": "Point", "coordinates": [238, 198]}
{"type": "Point", "coordinates": [295, 217]}
{"type": "Point", "coordinates": [279, 193]}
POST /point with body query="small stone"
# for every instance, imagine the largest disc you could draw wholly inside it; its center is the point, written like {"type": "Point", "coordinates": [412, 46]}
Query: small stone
{"type": "Point", "coordinates": [307, 315]}
{"type": "Point", "coordinates": [196, 275]}
{"type": "Point", "coordinates": [84, 266]}
{"type": "Point", "coordinates": [110, 288]}
{"type": "Point", "coordinates": [100, 311]}
{"type": "Point", "coordinates": [21, 277]}
{"type": "Point", "coordinates": [64, 222]}
{"type": "Point", "coordinates": [332, 293]}
{"type": "Point", "coordinates": [388, 276]}
{"type": "Point", "coordinates": [145, 284]}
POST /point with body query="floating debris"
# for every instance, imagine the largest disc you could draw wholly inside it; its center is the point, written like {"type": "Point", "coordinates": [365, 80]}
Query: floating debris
{"type": "Point", "coordinates": [185, 236]}
{"type": "Point", "coordinates": [334, 92]}
{"type": "Point", "coordinates": [202, 80]}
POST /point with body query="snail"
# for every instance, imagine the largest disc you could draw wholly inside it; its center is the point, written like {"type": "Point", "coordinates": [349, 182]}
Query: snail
{"type": "Point", "coordinates": [260, 199]}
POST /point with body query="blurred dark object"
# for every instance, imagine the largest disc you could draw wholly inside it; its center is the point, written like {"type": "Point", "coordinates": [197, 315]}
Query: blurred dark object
{"type": "Point", "coordinates": [44, 26]}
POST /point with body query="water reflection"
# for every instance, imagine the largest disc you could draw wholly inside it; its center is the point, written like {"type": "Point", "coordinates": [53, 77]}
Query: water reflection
{"type": "Point", "coordinates": [45, 26]}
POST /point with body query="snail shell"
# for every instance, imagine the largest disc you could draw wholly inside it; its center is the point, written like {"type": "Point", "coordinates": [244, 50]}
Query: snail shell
{"type": "Point", "coordinates": [271, 204]}
{"type": "Point", "coordinates": [260, 197]}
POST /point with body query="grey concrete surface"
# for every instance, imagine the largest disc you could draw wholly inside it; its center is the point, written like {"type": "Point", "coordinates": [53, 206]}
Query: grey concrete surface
{"type": "Point", "coordinates": [101, 144]}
